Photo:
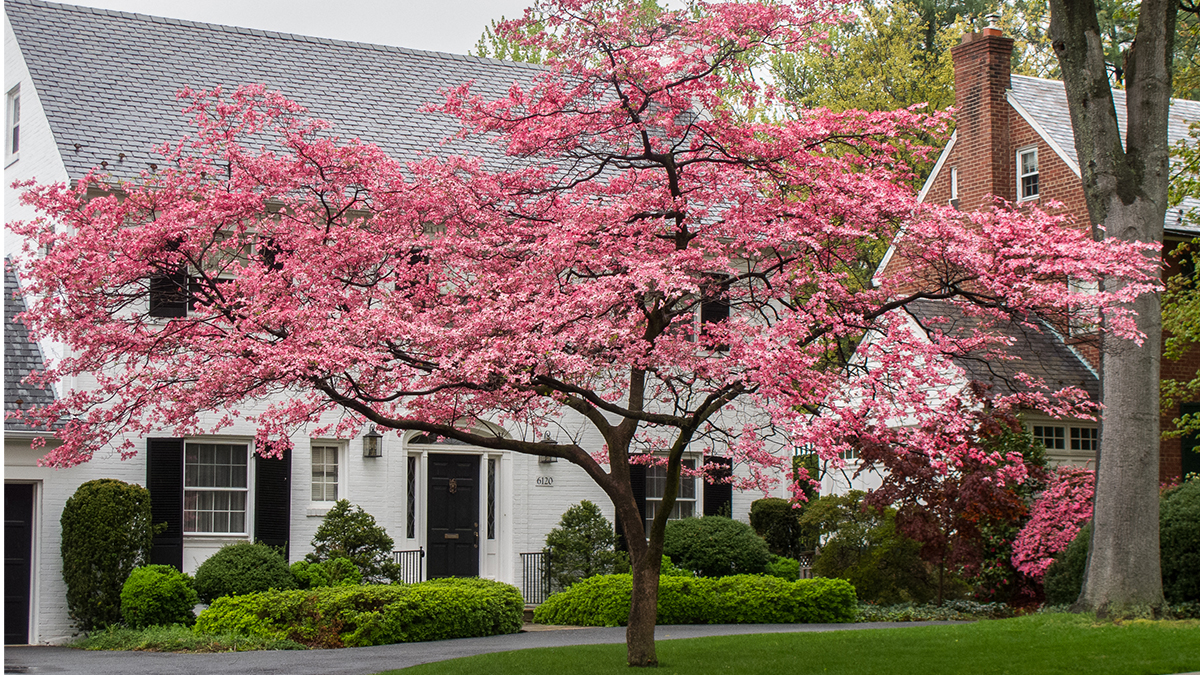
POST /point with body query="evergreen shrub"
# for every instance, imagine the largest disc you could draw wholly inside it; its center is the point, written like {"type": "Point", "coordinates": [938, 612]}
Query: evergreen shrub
{"type": "Point", "coordinates": [238, 569]}
{"type": "Point", "coordinates": [351, 533]}
{"type": "Point", "coordinates": [359, 616]}
{"type": "Point", "coordinates": [1064, 578]}
{"type": "Point", "coordinates": [106, 534]}
{"type": "Point", "coordinates": [1179, 539]}
{"type": "Point", "coordinates": [777, 521]}
{"type": "Point", "coordinates": [715, 546]}
{"type": "Point", "coordinates": [604, 601]}
{"type": "Point", "coordinates": [583, 545]}
{"type": "Point", "coordinates": [158, 595]}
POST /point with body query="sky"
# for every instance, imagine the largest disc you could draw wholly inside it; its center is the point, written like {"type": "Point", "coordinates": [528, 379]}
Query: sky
{"type": "Point", "coordinates": [436, 25]}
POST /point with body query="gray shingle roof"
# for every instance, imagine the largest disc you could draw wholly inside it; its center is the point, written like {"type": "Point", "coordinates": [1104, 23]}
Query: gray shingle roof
{"type": "Point", "coordinates": [1046, 102]}
{"type": "Point", "coordinates": [21, 357]}
{"type": "Point", "coordinates": [1042, 353]}
{"type": "Point", "coordinates": [108, 80]}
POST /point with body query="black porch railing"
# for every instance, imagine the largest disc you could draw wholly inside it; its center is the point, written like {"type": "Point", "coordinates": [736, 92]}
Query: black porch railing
{"type": "Point", "coordinates": [410, 563]}
{"type": "Point", "coordinates": [535, 577]}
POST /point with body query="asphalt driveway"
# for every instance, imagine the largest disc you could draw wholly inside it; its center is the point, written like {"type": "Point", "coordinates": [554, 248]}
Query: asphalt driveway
{"type": "Point", "coordinates": [367, 660]}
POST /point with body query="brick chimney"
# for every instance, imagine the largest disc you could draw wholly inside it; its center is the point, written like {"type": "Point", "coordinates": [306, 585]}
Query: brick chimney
{"type": "Point", "coordinates": [982, 75]}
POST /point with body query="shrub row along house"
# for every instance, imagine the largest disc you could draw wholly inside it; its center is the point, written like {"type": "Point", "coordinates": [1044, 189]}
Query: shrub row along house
{"type": "Point", "coordinates": [96, 88]}
{"type": "Point", "coordinates": [1013, 140]}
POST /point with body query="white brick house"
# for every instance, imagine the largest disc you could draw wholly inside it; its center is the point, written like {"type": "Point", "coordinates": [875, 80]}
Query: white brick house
{"type": "Point", "coordinates": [88, 86]}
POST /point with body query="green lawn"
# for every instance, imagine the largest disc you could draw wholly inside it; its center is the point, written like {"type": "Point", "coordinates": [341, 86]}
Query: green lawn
{"type": "Point", "coordinates": [1032, 645]}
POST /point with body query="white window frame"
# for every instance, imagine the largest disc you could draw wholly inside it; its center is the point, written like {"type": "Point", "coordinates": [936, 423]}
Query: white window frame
{"type": "Point", "coordinates": [676, 511]}
{"type": "Point", "coordinates": [244, 490]}
{"type": "Point", "coordinates": [1073, 435]}
{"type": "Point", "coordinates": [12, 124]}
{"type": "Point", "coordinates": [954, 186]}
{"type": "Point", "coordinates": [1021, 176]}
{"type": "Point", "coordinates": [340, 457]}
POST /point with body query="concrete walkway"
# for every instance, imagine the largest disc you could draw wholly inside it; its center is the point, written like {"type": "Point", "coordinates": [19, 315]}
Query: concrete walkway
{"type": "Point", "coordinates": [368, 660]}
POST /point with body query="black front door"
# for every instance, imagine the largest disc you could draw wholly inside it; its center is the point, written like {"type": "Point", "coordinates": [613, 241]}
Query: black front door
{"type": "Point", "coordinates": [453, 534]}
{"type": "Point", "coordinates": [18, 559]}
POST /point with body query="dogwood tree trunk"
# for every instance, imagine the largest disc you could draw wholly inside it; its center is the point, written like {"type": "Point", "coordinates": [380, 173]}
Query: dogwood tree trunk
{"type": "Point", "coordinates": [1125, 184]}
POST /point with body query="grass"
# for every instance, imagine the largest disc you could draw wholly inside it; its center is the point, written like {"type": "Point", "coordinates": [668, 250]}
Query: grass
{"type": "Point", "coordinates": [176, 639]}
{"type": "Point", "coordinates": [1041, 644]}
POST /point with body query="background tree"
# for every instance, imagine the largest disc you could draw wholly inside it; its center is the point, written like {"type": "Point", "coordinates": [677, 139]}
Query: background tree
{"type": "Point", "coordinates": [564, 283]}
{"type": "Point", "coordinates": [583, 545]}
{"type": "Point", "coordinates": [1125, 185]}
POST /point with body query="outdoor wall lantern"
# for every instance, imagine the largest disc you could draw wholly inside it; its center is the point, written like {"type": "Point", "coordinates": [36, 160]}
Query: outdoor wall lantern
{"type": "Point", "coordinates": [546, 440]}
{"type": "Point", "coordinates": [372, 445]}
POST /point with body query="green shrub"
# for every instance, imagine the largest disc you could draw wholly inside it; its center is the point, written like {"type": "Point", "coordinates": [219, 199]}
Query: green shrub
{"type": "Point", "coordinates": [238, 569]}
{"type": "Point", "coordinates": [777, 521]}
{"type": "Point", "coordinates": [157, 595]}
{"type": "Point", "coordinates": [864, 547]}
{"type": "Point", "coordinates": [351, 533]}
{"type": "Point", "coordinates": [582, 546]}
{"type": "Point", "coordinates": [715, 546]}
{"type": "Point", "coordinates": [175, 638]}
{"type": "Point", "coordinates": [784, 568]}
{"type": "Point", "coordinates": [333, 572]}
{"type": "Point", "coordinates": [358, 616]}
{"type": "Point", "coordinates": [106, 534]}
{"type": "Point", "coordinates": [1064, 577]}
{"type": "Point", "coordinates": [668, 569]}
{"type": "Point", "coordinates": [951, 610]}
{"type": "Point", "coordinates": [604, 601]}
{"type": "Point", "coordinates": [1179, 537]}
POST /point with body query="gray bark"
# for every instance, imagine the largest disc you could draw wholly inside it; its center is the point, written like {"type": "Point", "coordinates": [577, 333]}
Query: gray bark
{"type": "Point", "coordinates": [1125, 184]}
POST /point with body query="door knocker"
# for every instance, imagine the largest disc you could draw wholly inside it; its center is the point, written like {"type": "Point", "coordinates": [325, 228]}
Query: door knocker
{"type": "Point", "coordinates": [453, 486]}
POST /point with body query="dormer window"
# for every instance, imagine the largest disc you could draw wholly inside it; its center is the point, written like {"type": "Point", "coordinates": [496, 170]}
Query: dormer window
{"type": "Point", "coordinates": [1027, 174]}
{"type": "Point", "coordinates": [12, 116]}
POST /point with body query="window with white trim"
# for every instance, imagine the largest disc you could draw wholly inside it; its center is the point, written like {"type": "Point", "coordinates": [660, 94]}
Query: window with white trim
{"type": "Point", "coordinates": [1027, 174]}
{"type": "Point", "coordinates": [656, 486]}
{"type": "Point", "coordinates": [1061, 437]}
{"type": "Point", "coordinates": [954, 186]}
{"type": "Point", "coordinates": [12, 124]}
{"type": "Point", "coordinates": [215, 488]}
{"type": "Point", "coordinates": [325, 473]}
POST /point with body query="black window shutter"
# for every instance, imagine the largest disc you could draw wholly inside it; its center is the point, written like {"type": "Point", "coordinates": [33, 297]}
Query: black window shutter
{"type": "Point", "coordinates": [169, 295]}
{"type": "Point", "coordinates": [637, 481]}
{"type": "Point", "coordinates": [718, 497]}
{"type": "Point", "coordinates": [164, 479]}
{"type": "Point", "coordinates": [273, 501]}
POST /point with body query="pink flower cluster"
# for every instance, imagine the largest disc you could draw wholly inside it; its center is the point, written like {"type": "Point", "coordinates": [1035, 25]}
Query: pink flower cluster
{"type": "Point", "coordinates": [1058, 514]}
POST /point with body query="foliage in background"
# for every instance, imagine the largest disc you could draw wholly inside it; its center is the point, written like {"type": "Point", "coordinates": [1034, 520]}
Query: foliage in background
{"type": "Point", "coordinates": [583, 545]}
{"type": "Point", "coordinates": [350, 532]}
{"type": "Point", "coordinates": [1064, 577]}
{"type": "Point", "coordinates": [1181, 298]}
{"type": "Point", "coordinates": [332, 572]}
{"type": "Point", "coordinates": [1057, 516]}
{"type": "Point", "coordinates": [241, 568]}
{"type": "Point", "coordinates": [951, 610]}
{"type": "Point", "coordinates": [784, 568]}
{"type": "Point", "coordinates": [862, 546]}
{"type": "Point", "coordinates": [106, 534]}
{"type": "Point", "coordinates": [360, 616]}
{"type": "Point", "coordinates": [158, 595]}
{"type": "Point", "coordinates": [176, 638]}
{"type": "Point", "coordinates": [604, 601]}
{"type": "Point", "coordinates": [715, 546]}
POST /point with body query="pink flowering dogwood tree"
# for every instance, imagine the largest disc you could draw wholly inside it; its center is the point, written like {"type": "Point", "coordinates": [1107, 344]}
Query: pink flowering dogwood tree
{"type": "Point", "coordinates": [1060, 511]}
{"type": "Point", "coordinates": [344, 288]}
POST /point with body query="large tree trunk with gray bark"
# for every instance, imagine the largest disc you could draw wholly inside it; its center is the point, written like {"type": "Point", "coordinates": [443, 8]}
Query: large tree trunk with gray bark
{"type": "Point", "coordinates": [1125, 184]}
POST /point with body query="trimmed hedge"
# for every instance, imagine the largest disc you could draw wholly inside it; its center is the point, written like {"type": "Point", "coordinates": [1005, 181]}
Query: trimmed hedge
{"type": "Point", "coordinates": [332, 572]}
{"type": "Point", "coordinates": [604, 601]}
{"type": "Point", "coordinates": [1179, 534]}
{"type": "Point", "coordinates": [238, 569]}
{"type": "Point", "coordinates": [784, 568]}
{"type": "Point", "coordinates": [157, 595]}
{"type": "Point", "coordinates": [360, 616]}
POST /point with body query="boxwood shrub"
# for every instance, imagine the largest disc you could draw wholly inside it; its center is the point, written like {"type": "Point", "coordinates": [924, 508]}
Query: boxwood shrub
{"type": "Point", "coordinates": [715, 546]}
{"type": "Point", "coordinates": [604, 601]}
{"type": "Point", "coordinates": [359, 616]}
{"type": "Point", "coordinates": [242, 568]}
{"type": "Point", "coordinates": [157, 595]}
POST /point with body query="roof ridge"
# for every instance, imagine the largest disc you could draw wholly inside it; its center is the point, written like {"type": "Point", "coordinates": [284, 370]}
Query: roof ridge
{"type": "Point", "coordinates": [1186, 101]}
{"type": "Point", "coordinates": [262, 32]}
